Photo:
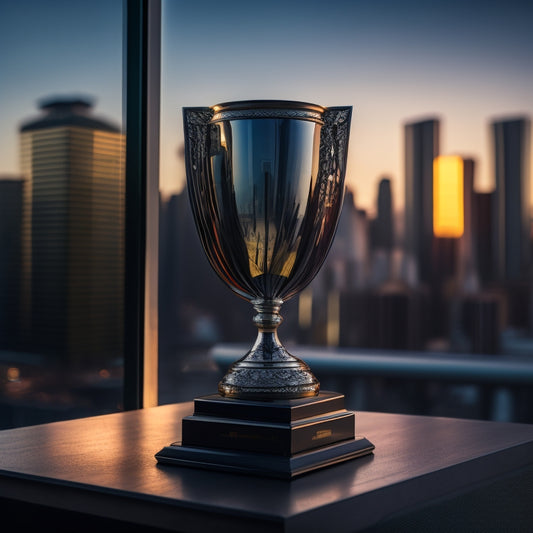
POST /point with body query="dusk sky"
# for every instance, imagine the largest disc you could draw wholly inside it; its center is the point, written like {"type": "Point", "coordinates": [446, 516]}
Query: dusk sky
{"type": "Point", "coordinates": [466, 62]}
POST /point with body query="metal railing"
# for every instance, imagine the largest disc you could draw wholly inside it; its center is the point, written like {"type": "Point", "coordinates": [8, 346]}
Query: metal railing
{"type": "Point", "coordinates": [351, 370]}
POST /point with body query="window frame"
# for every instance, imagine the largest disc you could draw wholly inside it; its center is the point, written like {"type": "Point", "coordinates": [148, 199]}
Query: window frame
{"type": "Point", "coordinates": [141, 112]}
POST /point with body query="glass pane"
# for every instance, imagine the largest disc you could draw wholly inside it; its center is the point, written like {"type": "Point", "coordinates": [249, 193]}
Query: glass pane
{"type": "Point", "coordinates": [433, 251]}
{"type": "Point", "coordinates": [61, 210]}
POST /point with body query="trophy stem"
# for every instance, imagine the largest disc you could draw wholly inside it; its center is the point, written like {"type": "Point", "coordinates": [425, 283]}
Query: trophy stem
{"type": "Point", "coordinates": [268, 318]}
{"type": "Point", "coordinates": [268, 371]}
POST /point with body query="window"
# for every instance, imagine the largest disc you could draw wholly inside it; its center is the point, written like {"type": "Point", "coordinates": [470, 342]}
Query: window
{"type": "Point", "coordinates": [426, 91]}
{"type": "Point", "coordinates": [78, 213]}
{"type": "Point", "coordinates": [62, 204]}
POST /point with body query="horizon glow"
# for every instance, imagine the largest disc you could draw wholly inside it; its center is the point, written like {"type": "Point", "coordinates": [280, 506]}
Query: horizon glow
{"type": "Point", "coordinates": [467, 62]}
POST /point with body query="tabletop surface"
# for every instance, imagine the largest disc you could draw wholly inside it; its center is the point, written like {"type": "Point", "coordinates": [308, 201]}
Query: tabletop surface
{"type": "Point", "coordinates": [107, 463]}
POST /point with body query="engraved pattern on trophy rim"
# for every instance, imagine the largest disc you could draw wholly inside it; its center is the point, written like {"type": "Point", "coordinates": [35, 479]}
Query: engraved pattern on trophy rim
{"type": "Point", "coordinates": [267, 113]}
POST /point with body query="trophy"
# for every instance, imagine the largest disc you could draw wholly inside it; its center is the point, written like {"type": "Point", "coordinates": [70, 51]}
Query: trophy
{"type": "Point", "coordinates": [266, 186]}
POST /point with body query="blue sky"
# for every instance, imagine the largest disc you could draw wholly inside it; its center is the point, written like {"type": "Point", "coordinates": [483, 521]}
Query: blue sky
{"type": "Point", "coordinates": [466, 62]}
{"type": "Point", "coordinates": [56, 47]}
{"type": "Point", "coordinates": [463, 61]}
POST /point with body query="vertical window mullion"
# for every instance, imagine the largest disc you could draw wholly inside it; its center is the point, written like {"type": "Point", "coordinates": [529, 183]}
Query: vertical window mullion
{"type": "Point", "coordinates": [142, 50]}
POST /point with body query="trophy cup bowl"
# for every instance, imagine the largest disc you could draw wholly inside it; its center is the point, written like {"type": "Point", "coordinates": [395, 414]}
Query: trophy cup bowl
{"type": "Point", "coordinates": [266, 186]}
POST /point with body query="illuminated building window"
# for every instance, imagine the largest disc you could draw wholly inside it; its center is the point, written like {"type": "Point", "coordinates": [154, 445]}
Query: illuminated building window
{"type": "Point", "coordinates": [448, 197]}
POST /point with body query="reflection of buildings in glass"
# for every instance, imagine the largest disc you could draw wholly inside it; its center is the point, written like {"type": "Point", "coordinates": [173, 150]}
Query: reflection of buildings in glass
{"type": "Point", "coordinates": [73, 242]}
{"type": "Point", "coordinates": [11, 194]}
{"type": "Point", "coordinates": [511, 249]}
{"type": "Point", "coordinates": [421, 148]}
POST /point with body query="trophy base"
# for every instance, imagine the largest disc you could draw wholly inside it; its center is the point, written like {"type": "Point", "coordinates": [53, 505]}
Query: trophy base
{"type": "Point", "coordinates": [264, 465]}
{"type": "Point", "coordinates": [274, 438]}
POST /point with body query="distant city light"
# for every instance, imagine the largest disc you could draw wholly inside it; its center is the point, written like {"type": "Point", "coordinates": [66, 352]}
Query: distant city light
{"type": "Point", "coordinates": [13, 374]}
{"type": "Point", "coordinates": [448, 196]}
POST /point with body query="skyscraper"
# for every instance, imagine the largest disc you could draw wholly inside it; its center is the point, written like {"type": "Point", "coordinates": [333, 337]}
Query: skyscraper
{"type": "Point", "coordinates": [383, 225]}
{"type": "Point", "coordinates": [382, 236]}
{"type": "Point", "coordinates": [73, 233]}
{"type": "Point", "coordinates": [421, 148]}
{"type": "Point", "coordinates": [483, 231]}
{"type": "Point", "coordinates": [512, 149]}
{"type": "Point", "coordinates": [467, 257]}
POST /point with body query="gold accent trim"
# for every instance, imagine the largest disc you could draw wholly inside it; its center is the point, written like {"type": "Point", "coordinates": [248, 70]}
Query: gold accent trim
{"type": "Point", "coordinates": [322, 434]}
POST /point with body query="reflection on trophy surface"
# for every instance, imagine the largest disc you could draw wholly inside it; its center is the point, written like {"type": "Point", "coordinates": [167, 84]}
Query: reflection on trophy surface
{"type": "Point", "coordinates": [266, 183]}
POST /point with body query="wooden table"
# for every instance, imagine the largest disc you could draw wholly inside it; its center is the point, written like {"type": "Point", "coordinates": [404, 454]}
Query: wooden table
{"type": "Point", "coordinates": [426, 474]}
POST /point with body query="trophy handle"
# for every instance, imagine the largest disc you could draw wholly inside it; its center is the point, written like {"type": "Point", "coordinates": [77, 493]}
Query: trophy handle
{"type": "Point", "coordinates": [326, 201]}
{"type": "Point", "coordinates": [334, 143]}
{"type": "Point", "coordinates": [196, 128]}
{"type": "Point", "coordinates": [333, 154]}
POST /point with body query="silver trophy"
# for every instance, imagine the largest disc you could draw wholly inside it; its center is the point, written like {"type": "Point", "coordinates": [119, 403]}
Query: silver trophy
{"type": "Point", "coordinates": [266, 184]}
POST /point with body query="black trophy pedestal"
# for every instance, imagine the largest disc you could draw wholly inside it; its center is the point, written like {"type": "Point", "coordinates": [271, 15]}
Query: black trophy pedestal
{"type": "Point", "coordinates": [274, 438]}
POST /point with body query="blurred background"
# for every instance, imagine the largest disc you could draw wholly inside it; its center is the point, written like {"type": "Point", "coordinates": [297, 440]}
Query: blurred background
{"type": "Point", "coordinates": [424, 304]}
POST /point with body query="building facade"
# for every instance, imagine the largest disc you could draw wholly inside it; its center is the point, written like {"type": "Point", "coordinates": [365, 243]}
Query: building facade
{"type": "Point", "coordinates": [421, 148]}
{"type": "Point", "coordinates": [73, 233]}
{"type": "Point", "coordinates": [511, 239]}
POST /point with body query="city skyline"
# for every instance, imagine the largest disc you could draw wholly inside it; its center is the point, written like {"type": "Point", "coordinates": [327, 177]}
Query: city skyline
{"type": "Point", "coordinates": [396, 187]}
{"type": "Point", "coordinates": [368, 295]}
{"type": "Point", "coordinates": [466, 63]}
